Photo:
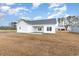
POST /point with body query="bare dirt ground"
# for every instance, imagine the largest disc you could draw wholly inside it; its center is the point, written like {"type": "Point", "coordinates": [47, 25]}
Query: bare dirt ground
{"type": "Point", "coordinates": [16, 44]}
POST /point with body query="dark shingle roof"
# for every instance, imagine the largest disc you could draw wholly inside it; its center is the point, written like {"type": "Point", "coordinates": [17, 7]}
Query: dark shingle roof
{"type": "Point", "coordinates": [45, 21]}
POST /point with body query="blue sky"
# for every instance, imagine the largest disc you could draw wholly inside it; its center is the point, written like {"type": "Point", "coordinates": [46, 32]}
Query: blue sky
{"type": "Point", "coordinates": [35, 11]}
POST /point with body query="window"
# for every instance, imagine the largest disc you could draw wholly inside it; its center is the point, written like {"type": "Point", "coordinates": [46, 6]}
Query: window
{"type": "Point", "coordinates": [49, 28]}
{"type": "Point", "coordinates": [39, 28]}
{"type": "Point", "coordinates": [19, 27]}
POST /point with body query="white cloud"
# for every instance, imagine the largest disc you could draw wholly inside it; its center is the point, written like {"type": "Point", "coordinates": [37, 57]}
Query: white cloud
{"type": "Point", "coordinates": [58, 12]}
{"type": "Point", "coordinates": [10, 10]}
{"type": "Point", "coordinates": [51, 5]}
{"type": "Point", "coordinates": [48, 13]}
{"type": "Point", "coordinates": [66, 15]}
{"type": "Point", "coordinates": [62, 9]}
{"type": "Point", "coordinates": [21, 8]}
{"type": "Point", "coordinates": [53, 15]}
{"type": "Point", "coordinates": [17, 10]}
{"type": "Point", "coordinates": [25, 17]}
{"type": "Point", "coordinates": [5, 8]}
{"type": "Point", "coordinates": [1, 15]}
{"type": "Point", "coordinates": [37, 18]}
{"type": "Point", "coordinates": [35, 5]}
{"type": "Point", "coordinates": [9, 3]}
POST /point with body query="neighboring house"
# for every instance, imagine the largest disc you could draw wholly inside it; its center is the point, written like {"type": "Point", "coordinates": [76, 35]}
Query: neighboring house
{"type": "Point", "coordinates": [37, 26]}
{"type": "Point", "coordinates": [73, 28]}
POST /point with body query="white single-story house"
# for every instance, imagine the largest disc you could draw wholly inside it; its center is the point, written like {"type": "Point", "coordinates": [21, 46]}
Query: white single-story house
{"type": "Point", "coordinates": [37, 26]}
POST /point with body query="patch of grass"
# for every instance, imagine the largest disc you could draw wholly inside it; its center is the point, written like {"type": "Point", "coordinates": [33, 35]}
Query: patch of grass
{"type": "Point", "coordinates": [7, 30]}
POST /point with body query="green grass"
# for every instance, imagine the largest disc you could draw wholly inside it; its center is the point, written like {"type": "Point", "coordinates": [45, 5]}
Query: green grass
{"type": "Point", "coordinates": [7, 30]}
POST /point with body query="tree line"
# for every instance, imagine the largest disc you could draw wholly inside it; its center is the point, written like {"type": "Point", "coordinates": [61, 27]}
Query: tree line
{"type": "Point", "coordinates": [12, 26]}
{"type": "Point", "coordinates": [69, 21]}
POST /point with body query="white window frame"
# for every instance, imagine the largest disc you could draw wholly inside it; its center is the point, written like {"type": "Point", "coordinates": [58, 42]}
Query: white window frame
{"type": "Point", "coordinates": [49, 28]}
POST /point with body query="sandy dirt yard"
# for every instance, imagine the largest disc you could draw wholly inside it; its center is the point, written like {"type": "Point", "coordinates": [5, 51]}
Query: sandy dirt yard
{"type": "Point", "coordinates": [59, 44]}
